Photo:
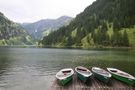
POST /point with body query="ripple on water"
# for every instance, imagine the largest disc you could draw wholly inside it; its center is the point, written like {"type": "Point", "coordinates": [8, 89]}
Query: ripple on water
{"type": "Point", "coordinates": [35, 69]}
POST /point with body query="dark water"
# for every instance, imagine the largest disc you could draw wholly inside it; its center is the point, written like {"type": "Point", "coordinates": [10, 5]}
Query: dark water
{"type": "Point", "coordinates": [35, 68]}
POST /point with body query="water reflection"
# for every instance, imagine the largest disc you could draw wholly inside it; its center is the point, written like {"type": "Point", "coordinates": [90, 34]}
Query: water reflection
{"type": "Point", "coordinates": [35, 68]}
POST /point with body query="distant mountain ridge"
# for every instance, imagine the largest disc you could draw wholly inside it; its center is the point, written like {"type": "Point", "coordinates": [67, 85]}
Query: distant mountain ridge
{"type": "Point", "coordinates": [12, 33]}
{"type": "Point", "coordinates": [36, 29]}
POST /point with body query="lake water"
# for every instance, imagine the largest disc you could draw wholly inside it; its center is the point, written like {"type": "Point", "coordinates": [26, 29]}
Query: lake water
{"type": "Point", "coordinates": [35, 68]}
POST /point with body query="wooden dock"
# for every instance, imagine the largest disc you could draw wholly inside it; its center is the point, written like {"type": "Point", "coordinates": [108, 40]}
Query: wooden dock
{"type": "Point", "coordinates": [93, 84]}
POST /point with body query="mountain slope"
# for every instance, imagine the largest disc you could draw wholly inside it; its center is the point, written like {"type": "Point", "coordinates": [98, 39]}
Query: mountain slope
{"type": "Point", "coordinates": [104, 23]}
{"type": "Point", "coordinates": [38, 28]}
{"type": "Point", "coordinates": [12, 33]}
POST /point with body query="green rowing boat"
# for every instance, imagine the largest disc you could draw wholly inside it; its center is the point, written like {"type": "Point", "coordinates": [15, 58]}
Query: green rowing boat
{"type": "Point", "coordinates": [101, 74]}
{"type": "Point", "coordinates": [122, 76]}
{"type": "Point", "coordinates": [83, 73]}
{"type": "Point", "coordinates": [64, 76]}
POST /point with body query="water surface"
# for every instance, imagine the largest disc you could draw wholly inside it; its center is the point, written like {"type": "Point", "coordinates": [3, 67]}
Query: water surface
{"type": "Point", "coordinates": [35, 68]}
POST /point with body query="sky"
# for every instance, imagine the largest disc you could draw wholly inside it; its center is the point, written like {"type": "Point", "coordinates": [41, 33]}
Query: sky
{"type": "Point", "coordinates": [34, 10]}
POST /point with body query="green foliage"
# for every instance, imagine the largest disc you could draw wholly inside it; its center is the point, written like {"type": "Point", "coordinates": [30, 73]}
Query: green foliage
{"type": "Point", "coordinates": [131, 35]}
{"type": "Point", "coordinates": [116, 39]}
{"type": "Point", "coordinates": [104, 19]}
{"type": "Point", "coordinates": [125, 39]}
{"type": "Point", "coordinates": [12, 33]}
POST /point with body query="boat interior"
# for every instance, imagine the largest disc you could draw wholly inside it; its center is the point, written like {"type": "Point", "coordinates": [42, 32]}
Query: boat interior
{"type": "Point", "coordinates": [120, 73]}
{"type": "Point", "coordinates": [67, 71]}
{"type": "Point", "coordinates": [101, 71]}
{"type": "Point", "coordinates": [83, 70]}
{"type": "Point", "coordinates": [64, 73]}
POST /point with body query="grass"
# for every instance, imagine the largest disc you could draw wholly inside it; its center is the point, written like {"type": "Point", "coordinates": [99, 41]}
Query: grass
{"type": "Point", "coordinates": [73, 34]}
{"type": "Point", "coordinates": [131, 35]}
{"type": "Point", "coordinates": [85, 42]}
{"type": "Point", "coordinates": [130, 32]}
{"type": "Point", "coordinates": [20, 40]}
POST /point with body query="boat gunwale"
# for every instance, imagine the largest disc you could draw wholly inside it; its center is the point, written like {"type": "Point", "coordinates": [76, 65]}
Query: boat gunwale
{"type": "Point", "coordinates": [83, 73]}
{"type": "Point", "coordinates": [66, 76]}
{"type": "Point", "coordinates": [128, 77]}
{"type": "Point", "coordinates": [109, 74]}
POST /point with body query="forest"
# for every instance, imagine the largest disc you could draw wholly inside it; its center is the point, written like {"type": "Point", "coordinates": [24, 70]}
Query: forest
{"type": "Point", "coordinates": [104, 23]}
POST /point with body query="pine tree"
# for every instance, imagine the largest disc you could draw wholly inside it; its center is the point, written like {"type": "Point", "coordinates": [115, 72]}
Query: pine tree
{"type": "Point", "coordinates": [107, 41]}
{"type": "Point", "coordinates": [69, 41]}
{"type": "Point", "coordinates": [94, 36]}
{"type": "Point", "coordinates": [125, 38]}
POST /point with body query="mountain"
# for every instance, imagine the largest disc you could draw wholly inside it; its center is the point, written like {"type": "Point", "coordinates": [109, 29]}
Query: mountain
{"type": "Point", "coordinates": [40, 28]}
{"type": "Point", "coordinates": [105, 23]}
{"type": "Point", "coordinates": [12, 33]}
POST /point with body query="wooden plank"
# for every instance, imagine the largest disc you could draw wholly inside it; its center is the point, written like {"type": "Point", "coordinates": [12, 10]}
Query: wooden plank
{"type": "Point", "coordinates": [92, 84]}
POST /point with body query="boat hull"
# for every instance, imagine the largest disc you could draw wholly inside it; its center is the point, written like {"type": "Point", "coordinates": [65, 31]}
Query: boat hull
{"type": "Point", "coordinates": [124, 79]}
{"type": "Point", "coordinates": [101, 77]}
{"type": "Point", "coordinates": [65, 81]}
{"type": "Point", "coordinates": [64, 76]}
{"type": "Point", "coordinates": [82, 77]}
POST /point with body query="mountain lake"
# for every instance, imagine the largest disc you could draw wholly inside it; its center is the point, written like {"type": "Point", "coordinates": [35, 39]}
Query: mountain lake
{"type": "Point", "coordinates": [35, 68]}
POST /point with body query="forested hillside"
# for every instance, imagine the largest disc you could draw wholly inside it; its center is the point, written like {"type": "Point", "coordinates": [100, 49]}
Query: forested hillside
{"type": "Point", "coordinates": [104, 23]}
{"type": "Point", "coordinates": [12, 33]}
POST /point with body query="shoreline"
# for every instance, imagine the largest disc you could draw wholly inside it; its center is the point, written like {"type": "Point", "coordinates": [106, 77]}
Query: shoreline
{"type": "Point", "coordinates": [64, 47]}
{"type": "Point", "coordinates": [87, 48]}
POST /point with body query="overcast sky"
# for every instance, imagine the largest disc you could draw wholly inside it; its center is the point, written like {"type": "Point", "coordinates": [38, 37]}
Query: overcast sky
{"type": "Point", "coordinates": [33, 10]}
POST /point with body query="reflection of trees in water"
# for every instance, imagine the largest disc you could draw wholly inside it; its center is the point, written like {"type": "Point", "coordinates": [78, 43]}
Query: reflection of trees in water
{"type": "Point", "coordinates": [4, 64]}
{"type": "Point", "coordinates": [4, 61]}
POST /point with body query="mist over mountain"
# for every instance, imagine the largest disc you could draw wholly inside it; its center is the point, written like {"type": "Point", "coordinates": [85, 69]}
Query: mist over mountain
{"type": "Point", "coordinates": [42, 27]}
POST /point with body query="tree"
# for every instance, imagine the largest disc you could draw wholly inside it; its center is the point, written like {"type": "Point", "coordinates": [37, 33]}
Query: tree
{"type": "Point", "coordinates": [94, 36]}
{"type": "Point", "coordinates": [69, 41]}
{"type": "Point", "coordinates": [125, 38]}
{"type": "Point", "coordinates": [117, 39]}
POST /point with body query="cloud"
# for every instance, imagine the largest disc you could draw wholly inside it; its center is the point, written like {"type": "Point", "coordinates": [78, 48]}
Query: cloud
{"type": "Point", "coordinates": [33, 10]}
